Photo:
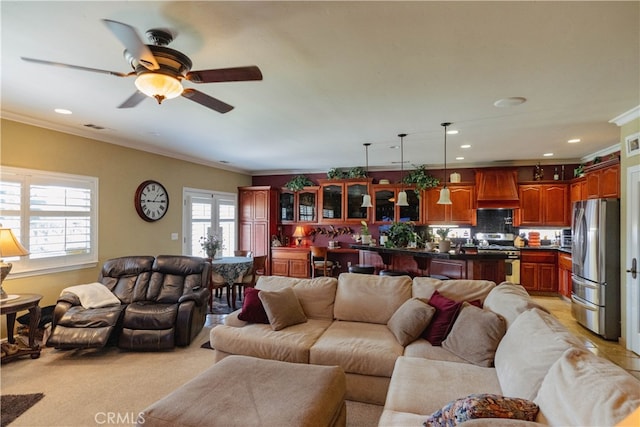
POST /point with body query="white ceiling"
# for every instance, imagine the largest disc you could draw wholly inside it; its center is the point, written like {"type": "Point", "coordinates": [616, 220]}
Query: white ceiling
{"type": "Point", "coordinates": [337, 75]}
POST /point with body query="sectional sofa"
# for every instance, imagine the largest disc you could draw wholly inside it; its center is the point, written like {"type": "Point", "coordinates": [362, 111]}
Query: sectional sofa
{"type": "Point", "coordinates": [498, 343]}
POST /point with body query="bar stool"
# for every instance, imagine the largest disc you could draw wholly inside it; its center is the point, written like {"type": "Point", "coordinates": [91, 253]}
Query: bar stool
{"type": "Point", "coordinates": [362, 269]}
{"type": "Point", "coordinates": [394, 273]}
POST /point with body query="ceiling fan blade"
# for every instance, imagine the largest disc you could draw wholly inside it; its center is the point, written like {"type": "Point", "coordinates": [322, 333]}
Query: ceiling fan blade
{"type": "Point", "coordinates": [237, 74]}
{"type": "Point", "coordinates": [207, 101]}
{"type": "Point", "coordinates": [132, 42]}
{"type": "Point", "coordinates": [133, 100]}
{"type": "Point", "coordinates": [77, 67]}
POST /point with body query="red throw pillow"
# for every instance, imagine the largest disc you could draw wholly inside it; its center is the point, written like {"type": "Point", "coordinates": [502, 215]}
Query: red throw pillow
{"type": "Point", "coordinates": [446, 312]}
{"type": "Point", "coordinates": [252, 309]}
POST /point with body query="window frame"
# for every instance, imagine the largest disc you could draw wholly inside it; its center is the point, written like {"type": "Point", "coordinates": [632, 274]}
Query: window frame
{"type": "Point", "coordinates": [27, 266]}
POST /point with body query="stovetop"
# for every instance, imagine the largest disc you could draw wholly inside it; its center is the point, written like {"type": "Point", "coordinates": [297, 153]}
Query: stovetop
{"type": "Point", "coordinates": [498, 247]}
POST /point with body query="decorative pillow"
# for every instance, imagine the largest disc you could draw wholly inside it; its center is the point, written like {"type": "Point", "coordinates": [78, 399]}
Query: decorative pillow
{"type": "Point", "coordinates": [282, 307]}
{"type": "Point", "coordinates": [475, 335]}
{"type": "Point", "coordinates": [252, 309]}
{"type": "Point", "coordinates": [410, 319]}
{"type": "Point", "coordinates": [482, 406]}
{"type": "Point", "coordinates": [446, 313]}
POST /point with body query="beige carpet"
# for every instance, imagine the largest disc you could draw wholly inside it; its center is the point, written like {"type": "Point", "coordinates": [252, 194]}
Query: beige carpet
{"type": "Point", "coordinates": [110, 386]}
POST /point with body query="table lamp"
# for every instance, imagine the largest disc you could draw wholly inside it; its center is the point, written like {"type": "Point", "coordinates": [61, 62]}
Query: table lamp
{"type": "Point", "coordinates": [299, 234]}
{"type": "Point", "coordinates": [9, 247]}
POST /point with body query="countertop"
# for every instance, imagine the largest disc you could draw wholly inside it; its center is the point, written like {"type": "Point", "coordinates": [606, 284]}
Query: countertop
{"type": "Point", "coordinates": [422, 253]}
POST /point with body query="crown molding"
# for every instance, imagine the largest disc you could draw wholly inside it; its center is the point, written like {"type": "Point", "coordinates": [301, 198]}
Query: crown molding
{"type": "Point", "coordinates": [626, 117]}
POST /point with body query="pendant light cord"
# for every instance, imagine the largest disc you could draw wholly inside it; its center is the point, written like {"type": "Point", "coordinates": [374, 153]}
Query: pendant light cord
{"type": "Point", "coordinates": [402, 135]}
{"type": "Point", "coordinates": [445, 125]}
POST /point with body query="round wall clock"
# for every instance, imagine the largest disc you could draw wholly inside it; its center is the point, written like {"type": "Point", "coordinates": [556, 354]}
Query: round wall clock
{"type": "Point", "coordinates": [151, 200]}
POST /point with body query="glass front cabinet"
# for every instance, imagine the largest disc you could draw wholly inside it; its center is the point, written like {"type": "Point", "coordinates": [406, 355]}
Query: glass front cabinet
{"type": "Point", "coordinates": [299, 206]}
{"type": "Point", "coordinates": [341, 201]}
{"type": "Point", "coordinates": [384, 204]}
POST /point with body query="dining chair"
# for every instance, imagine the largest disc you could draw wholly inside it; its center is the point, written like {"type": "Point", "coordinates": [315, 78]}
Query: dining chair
{"type": "Point", "coordinates": [249, 280]}
{"type": "Point", "coordinates": [216, 285]}
{"type": "Point", "coordinates": [320, 262]}
{"type": "Point", "coordinates": [243, 253]}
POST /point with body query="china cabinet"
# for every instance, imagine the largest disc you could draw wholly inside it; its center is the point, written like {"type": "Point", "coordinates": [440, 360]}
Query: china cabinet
{"type": "Point", "coordinates": [384, 204]}
{"type": "Point", "coordinates": [299, 206]}
{"type": "Point", "coordinates": [340, 201]}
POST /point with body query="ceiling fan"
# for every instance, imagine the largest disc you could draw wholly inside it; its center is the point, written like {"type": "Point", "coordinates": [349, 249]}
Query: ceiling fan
{"type": "Point", "coordinates": [160, 69]}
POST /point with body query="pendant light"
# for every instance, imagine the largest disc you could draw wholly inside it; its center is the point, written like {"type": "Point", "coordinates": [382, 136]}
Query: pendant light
{"type": "Point", "coordinates": [402, 195]}
{"type": "Point", "coordinates": [445, 198]}
{"type": "Point", "coordinates": [366, 199]}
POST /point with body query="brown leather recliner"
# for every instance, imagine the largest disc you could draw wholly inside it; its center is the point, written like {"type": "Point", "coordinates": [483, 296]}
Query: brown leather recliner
{"type": "Point", "coordinates": [163, 303]}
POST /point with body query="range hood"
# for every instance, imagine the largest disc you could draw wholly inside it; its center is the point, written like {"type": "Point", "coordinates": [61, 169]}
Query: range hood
{"type": "Point", "coordinates": [497, 188]}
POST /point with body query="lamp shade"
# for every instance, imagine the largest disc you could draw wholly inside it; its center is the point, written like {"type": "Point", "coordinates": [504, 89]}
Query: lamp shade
{"type": "Point", "coordinates": [366, 201]}
{"type": "Point", "coordinates": [9, 245]}
{"type": "Point", "coordinates": [402, 199]}
{"type": "Point", "coordinates": [159, 86]}
{"type": "Point", "coordinates": [299, 232]}
{"type": "Point", "coordinates": [445, 198]}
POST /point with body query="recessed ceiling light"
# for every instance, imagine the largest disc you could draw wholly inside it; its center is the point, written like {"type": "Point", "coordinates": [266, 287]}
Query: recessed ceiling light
{"type": "Point", "coordinates": [514, 101]}
{"type": "Point", "coordinates": [548, 154]}
{"type": "Point", "coordinates": [460, 158]}
{"type": "Point", "coordinates": [465, 146]}
{"type": "Point", "coordinates": [62, 111]}
{"type": "Point", "coordinates": [574, 141]}
{"type": "Point", "coordinates": [452, 132]}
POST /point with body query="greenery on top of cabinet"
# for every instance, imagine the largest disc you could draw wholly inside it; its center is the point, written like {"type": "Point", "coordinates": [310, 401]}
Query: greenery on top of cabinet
{"type": "Point", "coordinates": [298, 183]}
{"type": "Point", "coordinates": [420, 178]}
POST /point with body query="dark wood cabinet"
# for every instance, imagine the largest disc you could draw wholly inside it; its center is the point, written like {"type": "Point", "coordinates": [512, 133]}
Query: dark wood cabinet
{"type": "Point", "coordinates": [538, 271]}
{"type": "Point", "coordinates": [578, 190]}
{"type": "Point", "coordinates": [299, 206]}
{"type": "Point", "coordinates": [291, 262]}
{"type": "Point", "coordinates": [496, 187]}
{"type": "Point", "coordinates": [544, 205]}
{"type": "Point", "coordinates": [604, 182]}
{"type": "Point", "coordinates": [564, 274]}
{"type": "Point", "coordinates": [258, 208]}
{"type": "Point", "coordinates": [385, 210]}
{"type": "Point", "coordinates": [461, 211]}
{"type": "Point", "coordinates": [341, 201]}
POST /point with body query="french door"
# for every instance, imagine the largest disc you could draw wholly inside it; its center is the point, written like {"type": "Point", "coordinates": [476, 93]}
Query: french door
{"type": "Point", "coordinates": [207, 213]}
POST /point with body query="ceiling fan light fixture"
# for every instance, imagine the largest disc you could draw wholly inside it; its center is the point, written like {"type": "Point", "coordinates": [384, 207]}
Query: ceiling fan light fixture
{"type": "Point", "coordinates": [159, 86]}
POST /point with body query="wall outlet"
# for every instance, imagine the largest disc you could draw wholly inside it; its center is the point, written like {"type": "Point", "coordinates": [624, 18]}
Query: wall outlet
{"type": "Point", "coordinates": [174, 236]}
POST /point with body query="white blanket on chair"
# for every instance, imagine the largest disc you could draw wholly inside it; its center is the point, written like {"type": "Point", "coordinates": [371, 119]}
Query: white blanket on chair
{"type": "Point", "coordinates": [93, 295]}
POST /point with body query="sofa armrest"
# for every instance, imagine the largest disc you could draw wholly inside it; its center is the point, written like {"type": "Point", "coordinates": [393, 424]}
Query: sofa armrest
{"type": "Point", "coordinates": [69, 298]}
{"type": "Point", "coordinates": [199, 296]}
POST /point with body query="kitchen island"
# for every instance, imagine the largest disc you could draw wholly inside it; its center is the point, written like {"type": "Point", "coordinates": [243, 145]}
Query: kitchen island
{"type": "Point", "coordinates": [420, 262]}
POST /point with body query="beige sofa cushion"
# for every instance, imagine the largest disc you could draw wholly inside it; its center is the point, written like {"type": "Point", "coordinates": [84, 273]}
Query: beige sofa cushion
{"type": "Point", "coordinates": [475, 335]}
{"type": "Point", "coordinates": [359, 348]}
{"type": "Point", "coordinates": [421, 386]}
{"type": "Point", "coordinates": [601, 393]}
{"type": "Point", "coordinates": [457, 290]}
{"type": "Point", "coordinates": [410, 320]}
{"type": "Point", "coordinates": [368, 298]}
{"type": "Point", "coordinates": [531, 345]}
{"type": "Point", "coordinates": [282, 308]}
{"type": "Point", "coordinates": [424, 349]}
{"type": "Point", "coordinates": [291, 344]}
{"type": "Point", "coordinates": [509, 300]}
{"type": "Point", "coordinates": [316, 295]}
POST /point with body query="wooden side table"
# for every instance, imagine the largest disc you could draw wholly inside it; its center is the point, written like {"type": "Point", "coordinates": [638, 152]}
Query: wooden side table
{"type": "Point", "coordinates": [12, 306]}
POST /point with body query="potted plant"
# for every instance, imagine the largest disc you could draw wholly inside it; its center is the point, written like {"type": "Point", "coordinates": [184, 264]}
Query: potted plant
{"type": "Point", "coordinates": [297, 183]}
{"type": "Point", "coordinates": [444, 245]}
{"type": "Point", "coordinates": [400, 234]}
{"type": "Point", "coordinates": [421, 179]}
{"type": "Point", "coordinates": [365, 234]}
{"type": "Point", "coordinates": [211, 244]}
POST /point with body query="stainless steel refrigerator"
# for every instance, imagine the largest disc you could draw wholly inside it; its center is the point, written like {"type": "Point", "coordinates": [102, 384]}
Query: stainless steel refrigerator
{"type": "Point", "coordinates": [595, 254]}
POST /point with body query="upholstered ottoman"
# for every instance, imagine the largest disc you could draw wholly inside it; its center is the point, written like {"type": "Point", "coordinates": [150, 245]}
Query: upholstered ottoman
{"type": "Point", "coordinates": [247, 391]}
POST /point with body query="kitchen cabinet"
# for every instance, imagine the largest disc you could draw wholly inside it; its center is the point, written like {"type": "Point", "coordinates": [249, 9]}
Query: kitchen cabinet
{"type": "Point", "coordinates": [461, 211]}
{"type": "Point", "coordinates": [497, 188]}
{"type": "Point", "coordinates": [543, 205]}
{"type": "Point", "coordinates": [384, 204]}
{"type": "Point", "coordinates": [258, 219]}
{"type": "Point", "coordinates": [603, 182]}
{"type": "Point", "coordinates": [564, 274]}
{"type": "Point", "coordinates": [341, 201]}
{"type": "Point", "coordinates": [578, 190]}
{"type": "Point", "coordinates": [291, 262]}
{"type": "Point", "coordinates": [299, 206]}
{"type": "Point", "coordinates": [538, 271]}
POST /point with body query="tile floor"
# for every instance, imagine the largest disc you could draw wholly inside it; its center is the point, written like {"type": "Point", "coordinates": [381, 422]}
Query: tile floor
{"type": "Point", "coordinates": [611, 350]}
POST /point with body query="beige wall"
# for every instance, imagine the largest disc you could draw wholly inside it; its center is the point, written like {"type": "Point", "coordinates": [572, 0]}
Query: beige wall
{"type": "Point", "coordinates": [625, 163]}
{"type": "Point", "coordinates": [120, 170]}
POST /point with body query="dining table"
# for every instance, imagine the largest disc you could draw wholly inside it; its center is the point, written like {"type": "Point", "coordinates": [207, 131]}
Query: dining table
{"type": "Point", "coordinates": [230, 270]}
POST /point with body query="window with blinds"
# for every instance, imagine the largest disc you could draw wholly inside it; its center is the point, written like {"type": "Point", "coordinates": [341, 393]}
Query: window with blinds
{"type": "Point", "coordinates": [53, 215]}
